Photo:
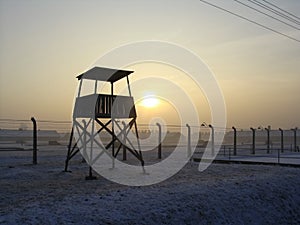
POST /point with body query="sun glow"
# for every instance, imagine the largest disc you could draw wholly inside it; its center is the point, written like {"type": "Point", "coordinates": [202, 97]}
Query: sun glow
{"type": "Point", "coordinates": [150, 102]}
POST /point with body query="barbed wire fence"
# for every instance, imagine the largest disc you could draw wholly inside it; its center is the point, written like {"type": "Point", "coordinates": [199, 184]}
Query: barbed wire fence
{"type": "Point", "coordinates": [17, 135]}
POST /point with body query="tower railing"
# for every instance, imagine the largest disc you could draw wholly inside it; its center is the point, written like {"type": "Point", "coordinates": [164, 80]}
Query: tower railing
{"type": "Point", "coordinates": [104, 106]}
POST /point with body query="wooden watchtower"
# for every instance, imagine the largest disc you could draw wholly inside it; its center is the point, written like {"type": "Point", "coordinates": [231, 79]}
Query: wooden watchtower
{"type": "Point", "coordinates": [95, 113]}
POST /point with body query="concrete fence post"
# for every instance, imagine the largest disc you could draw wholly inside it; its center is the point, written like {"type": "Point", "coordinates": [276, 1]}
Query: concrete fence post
{"type": "Point", "coordinates": [159, 141]}
{"type": "Point", "coordinates": [295, 138]}
{"type": "Point", "coordinates": [212, 140]}
{"type": "Point", "coordinates": [281, 140]}
{"type": "Point", "coordinates": [34, 142]}
{"type": "Point", "coordinates": [253, 140]}
{"type": "Point", "coordinates": [234, 140]}
{"type": "Point", "coordinates": [268, 139]}
{"type": "Point", "coordinates": [189, 148]}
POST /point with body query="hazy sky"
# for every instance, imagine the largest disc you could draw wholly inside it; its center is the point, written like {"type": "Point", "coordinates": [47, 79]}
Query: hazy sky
{"type": "Point", "coordinates": [45, 44]}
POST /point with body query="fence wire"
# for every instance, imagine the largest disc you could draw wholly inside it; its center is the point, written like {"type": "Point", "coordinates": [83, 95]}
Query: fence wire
{"type": "Point", "coordinates": [17, 133]}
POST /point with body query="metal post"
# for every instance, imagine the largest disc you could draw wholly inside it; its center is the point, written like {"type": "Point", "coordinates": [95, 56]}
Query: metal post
{"type": "Point", "coordinates": [281, 142]}
{"type": "Point", "coordinates": [234, 140]}
{"type": "Point", "coordinates": [295, 138]}
{"type": "Point", "coordinates": [159, 141]}
{"type": "Point", "coordinates": [268, 139]}
{"type": "Point", "coordinates": [278, 156]}
{"type": "Point", "coordinates": [212, 139]}
{"type": "Point", "coordinates": [34, 143]}
{"type": "Point", "coordinates": [189, 149]}
{"type": "Point", "coordinates": [253, 140]}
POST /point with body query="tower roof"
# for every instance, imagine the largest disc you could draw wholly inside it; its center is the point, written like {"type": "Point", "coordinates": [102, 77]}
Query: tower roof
{"type": "Point", "coordinates": [104, 74]}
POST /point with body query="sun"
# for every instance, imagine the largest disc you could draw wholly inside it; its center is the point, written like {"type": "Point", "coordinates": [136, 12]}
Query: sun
{"type": "Point", "coordinates": [150, 102]}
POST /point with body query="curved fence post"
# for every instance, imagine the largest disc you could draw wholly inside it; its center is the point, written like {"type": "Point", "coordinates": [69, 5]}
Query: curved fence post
{"type": "Point", "coordinates": [212, 139]}
{"type": "Point", "coordinates": [268, 139]}
{"type": "Point", "coordinates": [189, 148]}
{"type": "Point", "coordinates": [295, 138]}
{"type": "Point", "coordinates": [159, 141]}
{"type": "Point", "coordinates": [234, 140]}
{"type": "Point", "coordinates": [34, 142]}
{"type": "Point", "coordinates": [281, 140]}
{"type": "Point", "coordinates": [253, 140]}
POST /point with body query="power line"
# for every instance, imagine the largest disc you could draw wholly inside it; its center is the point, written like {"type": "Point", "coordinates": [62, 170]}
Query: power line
{"type": "Point", "coordinates": [266, 14]}
{"type": "Point", "coordinates": [281, 9]}
{"type": "Point", "coordinates": [270, 9]}
{"type": "Point", "coordinates": [251, 21]}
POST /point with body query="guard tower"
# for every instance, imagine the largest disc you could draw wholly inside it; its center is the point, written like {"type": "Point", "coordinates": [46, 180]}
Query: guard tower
{"type": "Point", "coordinates": [96, 113]}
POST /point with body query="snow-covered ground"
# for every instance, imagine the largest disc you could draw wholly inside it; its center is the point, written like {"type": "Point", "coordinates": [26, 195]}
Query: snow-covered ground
{"type": "Point", "coordinates": [223, 194]}
{"type": "Point", "coordinates": [284, 159]}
